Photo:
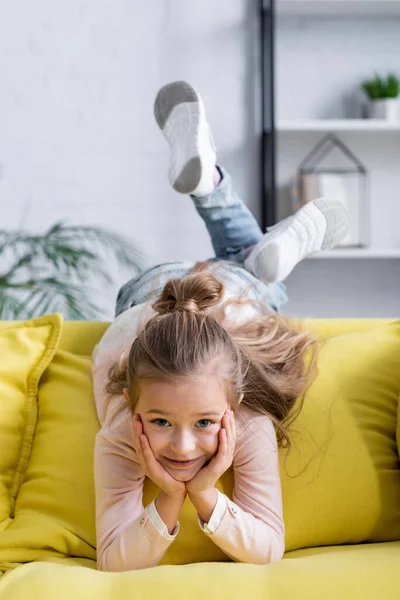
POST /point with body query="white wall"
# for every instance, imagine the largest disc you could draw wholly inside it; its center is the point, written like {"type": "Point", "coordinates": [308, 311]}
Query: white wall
{"type": "Point", "coordinates": [320, 63]}
{"type": "Point", "coordinates": [77, 136]}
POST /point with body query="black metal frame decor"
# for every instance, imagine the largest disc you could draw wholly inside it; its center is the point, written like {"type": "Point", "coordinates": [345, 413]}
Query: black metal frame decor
{"type": "Point", "coordinates": [312, 164]}
{"type": "Point", "coordinates": [268, 147]}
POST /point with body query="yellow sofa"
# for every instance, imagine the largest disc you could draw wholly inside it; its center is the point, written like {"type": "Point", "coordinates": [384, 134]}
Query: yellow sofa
{"type": "Point", "coordinates": [341, 480]}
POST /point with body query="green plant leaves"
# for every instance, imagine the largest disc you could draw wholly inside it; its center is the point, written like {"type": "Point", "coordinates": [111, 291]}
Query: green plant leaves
{"type": "Point", "coordinates": [379, 88]}
{"type": "Point", "coordinates": [50, 272]}
{"type": "Point", "coordinates": [392, 86]}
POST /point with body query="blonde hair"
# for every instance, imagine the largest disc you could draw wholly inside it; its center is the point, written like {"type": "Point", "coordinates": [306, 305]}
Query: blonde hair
{"type": "Point", "coordinates": [261, 362]}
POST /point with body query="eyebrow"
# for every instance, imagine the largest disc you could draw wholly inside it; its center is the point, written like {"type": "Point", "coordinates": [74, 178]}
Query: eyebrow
{"type": "Point", "coordinates": [203, 414]}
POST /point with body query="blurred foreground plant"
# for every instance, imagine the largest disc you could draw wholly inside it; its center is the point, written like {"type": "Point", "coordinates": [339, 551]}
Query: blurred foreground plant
{"type": "Point", "coordinates": [51, 272]}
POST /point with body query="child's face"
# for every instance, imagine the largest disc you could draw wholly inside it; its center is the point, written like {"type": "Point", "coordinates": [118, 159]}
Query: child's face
{"type": "Point", "coordinates": [182, 421]}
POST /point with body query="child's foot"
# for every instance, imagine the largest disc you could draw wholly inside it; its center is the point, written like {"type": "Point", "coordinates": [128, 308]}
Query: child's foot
{"type": "Point", "coordinates": [180, 114]}
{"type": "Point", "coordinates": [319, 225]}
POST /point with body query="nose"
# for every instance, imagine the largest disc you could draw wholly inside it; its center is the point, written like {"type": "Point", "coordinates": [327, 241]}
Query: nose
{"type": "Point", "coordinates": [183, 443]}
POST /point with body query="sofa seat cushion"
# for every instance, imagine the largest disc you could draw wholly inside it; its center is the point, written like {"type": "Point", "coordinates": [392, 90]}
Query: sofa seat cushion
{"type": "Point", "coordinates": [368, 571]}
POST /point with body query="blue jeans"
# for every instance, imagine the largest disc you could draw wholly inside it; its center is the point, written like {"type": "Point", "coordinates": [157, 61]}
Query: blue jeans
{"type": "Point", "coordinates": [232, 229]}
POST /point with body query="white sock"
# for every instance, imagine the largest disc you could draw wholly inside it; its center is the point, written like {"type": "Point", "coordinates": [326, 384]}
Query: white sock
{"type": "Point", "coordinates": [320, 224]}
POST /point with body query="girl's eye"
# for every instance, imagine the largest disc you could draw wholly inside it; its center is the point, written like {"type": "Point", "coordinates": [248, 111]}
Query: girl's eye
{"type": "Point", "coordinates": [161, 422]}
{"type": "Point", "coordinates": [204, 423]}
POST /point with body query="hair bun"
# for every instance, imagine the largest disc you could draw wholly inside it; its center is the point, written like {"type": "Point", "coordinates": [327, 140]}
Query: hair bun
{"type": "Point", "coordinates": [194, 293]}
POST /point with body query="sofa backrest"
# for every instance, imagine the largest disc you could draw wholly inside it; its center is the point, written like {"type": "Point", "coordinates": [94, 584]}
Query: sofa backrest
{"type": "Point", "coordinates": [341, 480]}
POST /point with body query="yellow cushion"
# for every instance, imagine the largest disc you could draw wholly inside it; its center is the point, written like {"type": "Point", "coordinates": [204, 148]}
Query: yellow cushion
{"type": "Point", "coordinates": [358, 377]}
{"type": "Point", "coordinates": [398, 430]}
{"type": "Point", "coordinates": [341, 482]}
{"type": "Point", "coordinates": [344, 442]}
{"type": "Point", "coordinates": [80, 337]}
{"type": "Point", "coordinates": [55, 505]}
{"type": "Point", "coordinates": [26, 349]}
{"type": "Point", "coordinates": [366, 572]}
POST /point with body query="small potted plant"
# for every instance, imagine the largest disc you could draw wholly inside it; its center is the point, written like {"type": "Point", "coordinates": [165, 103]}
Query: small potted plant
{"type": "Point", "coordinates": [383, 97]}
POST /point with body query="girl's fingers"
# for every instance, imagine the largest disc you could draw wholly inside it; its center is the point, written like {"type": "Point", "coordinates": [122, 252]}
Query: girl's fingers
{"type": "Point", "coordinates": [228, 425]}
{"type": "Point", "coordinates": [148, 453]}
{"type": "Point", "coordinates": [140, 456]}
{"type": "Point", "coordinates": [221, 452]}
{"type": "Point", "coordinates": [145, 444]}
{"type": "Point", "coordinates": [138, 433]}
{"type": "Point", "coordinates": [138, 429]}
{"type": "Point", "coordinates": [155, 471]}
{"type": "Point", "coordinates": [223, 444]}
{"type": "Point", "coordinates": [137, 425]}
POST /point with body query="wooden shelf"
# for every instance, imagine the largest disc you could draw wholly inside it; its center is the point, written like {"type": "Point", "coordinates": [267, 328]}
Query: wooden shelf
{"type": "Point", "coordinates": [338, 7]}
{"type": "Point", "coordinates": [371, 253]}
{"type": "Point", "coordinates": [338, 125]}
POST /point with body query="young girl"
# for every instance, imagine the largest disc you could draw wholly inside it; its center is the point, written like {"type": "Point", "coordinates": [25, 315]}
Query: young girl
{"type": "Point", "coordinates": [208, 379]}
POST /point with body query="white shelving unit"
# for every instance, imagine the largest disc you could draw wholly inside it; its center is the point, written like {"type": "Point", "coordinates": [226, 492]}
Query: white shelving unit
{"type": "Point", "coordinates": [338, 7]}
{"type": "Point", "coordinates": [364, 253]}
{"type": "Point", "coordinates": [324, 49]}
{"type": "Point", "coordinates": [292, 132]}
{"type": "Point", "coordinates": [356, 126]}
{"type": "Point", "coordinates": [338, 125]}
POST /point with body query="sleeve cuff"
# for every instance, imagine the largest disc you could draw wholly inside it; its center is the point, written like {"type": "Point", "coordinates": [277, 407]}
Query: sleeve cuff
{"type": "Point", "coordinates": [216, 516]}
{"type": "Point", "coordinates": [159, 523]}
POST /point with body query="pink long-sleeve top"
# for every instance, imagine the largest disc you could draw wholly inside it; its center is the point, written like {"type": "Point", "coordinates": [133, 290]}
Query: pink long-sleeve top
{"type": "Point", "coordinates": [248, 527]}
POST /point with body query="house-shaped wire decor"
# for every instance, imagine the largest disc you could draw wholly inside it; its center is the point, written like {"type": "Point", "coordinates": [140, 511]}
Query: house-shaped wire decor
{"type": "Point", "coordinates": [317, 176]}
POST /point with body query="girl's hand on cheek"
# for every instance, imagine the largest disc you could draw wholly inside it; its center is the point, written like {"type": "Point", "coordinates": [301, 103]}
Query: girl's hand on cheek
{"type": "Point", "coordinates": [152, 467]}
{"type": "Point", "coordinates": [207, 477]}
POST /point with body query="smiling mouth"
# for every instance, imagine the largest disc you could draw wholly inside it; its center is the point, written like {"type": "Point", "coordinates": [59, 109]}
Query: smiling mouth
{"type": "Point", "coordinates": [181, 464]}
